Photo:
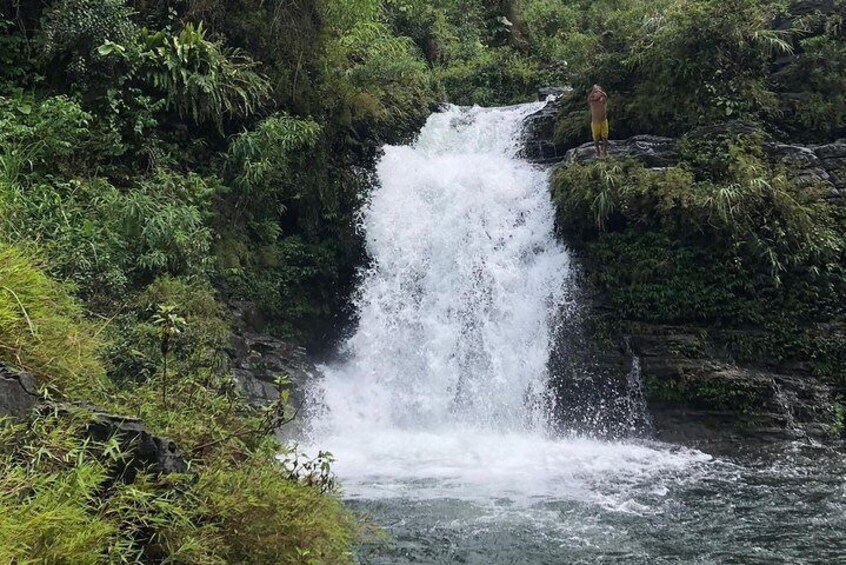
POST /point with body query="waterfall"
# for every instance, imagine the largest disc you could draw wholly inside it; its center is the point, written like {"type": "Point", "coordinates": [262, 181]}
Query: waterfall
{"type": "Point", "coordinates": [444, 381]}
{"type": "Point", "coordinates": [455, 309]}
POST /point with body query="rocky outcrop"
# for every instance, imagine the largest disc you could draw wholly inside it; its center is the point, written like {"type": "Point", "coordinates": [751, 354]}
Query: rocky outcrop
{"type": "Point", "coordinates": [18, 394]}
{"type": "Point", "coordinates": [696, 396]}
{"type": "Point", "coordinates": [653, 151]}
{"type": "Point", "coordinates": [19, 398]}
{"type": "Point", "coordinates": [539, 145]}
{"type": "Point", "coordinates": [695, 393]}
{"type": "Point", "coordinates": [258, 359]}
{"type": "Point", "coordinates": [822, 166]}
{"type": "Point", "coordinates": [149, 451]}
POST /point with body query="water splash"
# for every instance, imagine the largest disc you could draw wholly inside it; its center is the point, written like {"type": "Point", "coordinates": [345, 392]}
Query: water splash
{"type": "Point", "coordinates": [639, 421]}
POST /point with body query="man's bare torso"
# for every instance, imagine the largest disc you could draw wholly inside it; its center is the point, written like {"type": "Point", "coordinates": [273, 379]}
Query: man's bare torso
{"type": "Point", "coordinates": [598, 102]}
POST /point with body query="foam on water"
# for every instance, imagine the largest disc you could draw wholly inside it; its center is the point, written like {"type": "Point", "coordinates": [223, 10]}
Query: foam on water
{"type": "Point", "coordinates": [443, 394]}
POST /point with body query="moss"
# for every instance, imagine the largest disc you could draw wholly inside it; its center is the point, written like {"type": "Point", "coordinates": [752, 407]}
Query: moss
{"type": "Point", "coordinates": [698, 391]}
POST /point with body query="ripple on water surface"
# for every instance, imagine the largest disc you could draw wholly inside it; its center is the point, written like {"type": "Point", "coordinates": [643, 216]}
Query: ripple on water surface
{"type": "Point", "coordinates": [485, 499]}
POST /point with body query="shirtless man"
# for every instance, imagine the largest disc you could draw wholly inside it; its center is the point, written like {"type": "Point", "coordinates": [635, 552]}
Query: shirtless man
{"type": "Point", "coordinates": [598, 102]}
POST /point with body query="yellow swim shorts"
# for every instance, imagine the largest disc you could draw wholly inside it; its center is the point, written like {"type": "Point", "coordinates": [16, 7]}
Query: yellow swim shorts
{"type": "Point", "coordinates": [599, 129]}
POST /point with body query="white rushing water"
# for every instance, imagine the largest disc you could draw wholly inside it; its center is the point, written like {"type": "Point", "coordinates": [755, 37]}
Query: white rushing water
{"type": "Point", "coordinates": [443, 393]}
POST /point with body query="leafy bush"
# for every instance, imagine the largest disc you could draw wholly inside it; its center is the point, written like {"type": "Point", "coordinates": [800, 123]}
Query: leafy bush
{"type": "Point", "coordinates": [376, 80]}
{"type": "Point", "coordinates": [73, 30]}
{"type": "Point", "coordinates": [105, 239]}
{"type": "Point", "coordinates": [814, 103]}
{"type": "Point", "coordinates": [199, 78]}
{"type": "Point", "coordinates": [490, 77]}
{"type": "Point", "coordinates": [134, 345]}
{"type": "Point", "coordinates": [50, 136]}
{"type": "Point", "coordinates": [763, 216]}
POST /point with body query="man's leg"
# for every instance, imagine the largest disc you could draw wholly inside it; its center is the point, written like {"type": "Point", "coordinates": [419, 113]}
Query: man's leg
{"type": "Point", "coordinates": [605, 138]}
{"type": "Point", "coordinates": [596, 131]}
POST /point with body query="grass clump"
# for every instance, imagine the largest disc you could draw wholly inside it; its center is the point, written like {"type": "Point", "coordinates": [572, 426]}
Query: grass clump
{"type": "Point", "coordinates": [43, 330]}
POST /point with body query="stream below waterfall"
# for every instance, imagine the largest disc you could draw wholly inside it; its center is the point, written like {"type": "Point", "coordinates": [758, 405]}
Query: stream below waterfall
{"type": "Point", "coordinates": [439, 414]}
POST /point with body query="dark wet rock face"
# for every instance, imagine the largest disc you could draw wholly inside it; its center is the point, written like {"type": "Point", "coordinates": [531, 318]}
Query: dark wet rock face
{"type": "Point", "coordinates": [258, 359]}
{"type": "Point", "coordinates": [697, 396]}
{"type": "Point", "coordinates": [539, 145]}
{"type": "Point", "coordinates": [695, 393]}
{"type": "Point", "coordinates": [694, 396]}
{"type": "Point", "coordinates": [18, 394]}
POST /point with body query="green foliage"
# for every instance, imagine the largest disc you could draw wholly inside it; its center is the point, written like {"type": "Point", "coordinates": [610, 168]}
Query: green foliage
{"type": "Point", "coordinates": [723, 240]}
{"type": "Point", "coordinates": [815, 108]}
{"type": "Point", "coordinates": [489, 77]}
{"type": "Point", "coordinates": [42, 329]}
{"type": "Point", "coordinates": [105, 239]}
{"type": "Point", "coordinates": [50, 136]}
{"type": "Point", "coordinates": [290, 230]}
{"type": "Point", "coordinates": [15, 67]}
{"type": "Point", "coordinates": [199, 78]}
{"type": "Point", "coordinates": [714, 393]}
{"type": "Point", "coordinates": [134, 345]}
{"type": "Point", "coordinates": [670, 65]}
{"type": "Point", "coordinates": [376, 79]}
{"type": "Point", "coordinates": [749, 207]}
{"type": "Point", "coordinates": [63, 500]}
{"type": "Point", "coordinates": [260, 161]}
{"type": "Point", "coordinates": [73, 30]}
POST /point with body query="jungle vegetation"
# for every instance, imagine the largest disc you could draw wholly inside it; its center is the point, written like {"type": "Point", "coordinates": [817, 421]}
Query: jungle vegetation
{"type": "Point", "coordinates": [160, 159]}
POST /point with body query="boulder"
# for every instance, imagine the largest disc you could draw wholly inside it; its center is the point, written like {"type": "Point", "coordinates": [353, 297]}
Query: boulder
{"type": "Point", "coordinates": [18, 394]}
{"type": "Point", "coordinates": [539, 135]}
{"type": "Point", "coordinates": [149, 451]}
{"type": "Point", "coordinates": [653, 151]}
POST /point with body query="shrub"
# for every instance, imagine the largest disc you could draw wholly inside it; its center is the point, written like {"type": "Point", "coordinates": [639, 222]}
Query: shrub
{"type": "Point", "coordinates": [73, 30]}
{"type": "Point", "coordinates": [757, 211]}
{"type": "Point", "coordinates": [63, 501]}
{"type": "Point", "coordinates": [105, 239]}
{"type": "Point", "coordinates": [200, 78]}
{"type": "Point", "coordinates": [134, 346]}
{"type": "Point", "coordinates": [376, 82]}
{"type": "Point", "coordinates": [50, 136]}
